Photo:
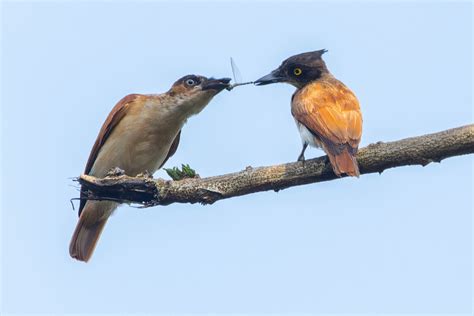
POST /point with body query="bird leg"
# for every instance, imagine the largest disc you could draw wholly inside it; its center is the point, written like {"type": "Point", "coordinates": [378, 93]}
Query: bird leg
{"type": "Point", "coordinates": [301, 156]}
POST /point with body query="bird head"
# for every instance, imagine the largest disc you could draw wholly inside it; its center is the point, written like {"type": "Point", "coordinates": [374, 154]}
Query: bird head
{"type": "Point", "coordinates": [192, 93]}
{"type": "Point", "coordinates": [298, 70]}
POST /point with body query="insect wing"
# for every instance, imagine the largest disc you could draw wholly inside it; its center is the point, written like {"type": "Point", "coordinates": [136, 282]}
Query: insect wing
{"type": "Point", "coordinates": [235, 71]}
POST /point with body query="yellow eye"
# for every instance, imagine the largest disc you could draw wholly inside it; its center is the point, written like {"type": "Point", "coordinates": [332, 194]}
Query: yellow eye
{"type": "Point", "coordinates": [297, 71]}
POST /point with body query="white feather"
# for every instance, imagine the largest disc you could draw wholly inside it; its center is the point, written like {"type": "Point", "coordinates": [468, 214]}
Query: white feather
{"type": "Point", "coordinates": [306, 136]}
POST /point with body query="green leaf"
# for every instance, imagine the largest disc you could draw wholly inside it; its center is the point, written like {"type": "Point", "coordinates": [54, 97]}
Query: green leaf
{"type": "Point", "coordinates": [176, 174]}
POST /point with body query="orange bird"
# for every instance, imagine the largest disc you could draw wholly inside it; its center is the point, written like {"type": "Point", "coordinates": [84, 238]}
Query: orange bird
{"type": "Point", "coordinates": [139, 135]}
{"type": "Point", "coordinates": [326, 112]}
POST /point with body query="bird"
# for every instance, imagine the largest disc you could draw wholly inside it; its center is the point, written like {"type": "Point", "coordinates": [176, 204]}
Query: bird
{"type": "Point", "coordinates": [327, 113]}
{"type": "Point", "coordinates": [138, 136]}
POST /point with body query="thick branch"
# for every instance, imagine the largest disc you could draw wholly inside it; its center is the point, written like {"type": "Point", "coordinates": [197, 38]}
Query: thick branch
{"type": "Point", "coordinates": [378, 157]}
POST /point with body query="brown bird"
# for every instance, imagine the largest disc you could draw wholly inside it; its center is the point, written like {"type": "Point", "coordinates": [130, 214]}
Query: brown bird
{"type": "Point", "coordinates": [138, 136]}
{"type": "Point", "coordinates": [326, 112]}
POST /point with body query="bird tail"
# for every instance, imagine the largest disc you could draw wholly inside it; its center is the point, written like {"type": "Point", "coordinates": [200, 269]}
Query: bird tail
{"type": "Point", "coordinates": [344, 162]}
{"type": "Point", "coordinates": [89, 228]}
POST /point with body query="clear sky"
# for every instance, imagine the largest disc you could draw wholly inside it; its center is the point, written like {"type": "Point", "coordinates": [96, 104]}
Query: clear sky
{"type": "Point", "coordinates": [400, 242]}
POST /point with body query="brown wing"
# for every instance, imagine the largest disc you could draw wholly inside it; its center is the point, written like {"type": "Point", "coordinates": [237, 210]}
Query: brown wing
{"type": "Point", "coordinates": [114, 117]}
{"type": "Point", "coordinates": [331, 111]}
{"type": "Point", "coordinates": [173, 148]}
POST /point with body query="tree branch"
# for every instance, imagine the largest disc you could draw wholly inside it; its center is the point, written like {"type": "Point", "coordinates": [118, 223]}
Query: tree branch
{"type": "Point", "coordinates": [378, 157]}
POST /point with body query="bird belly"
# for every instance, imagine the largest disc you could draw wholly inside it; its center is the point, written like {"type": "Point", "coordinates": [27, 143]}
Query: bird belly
{"type": "Point", "coordinates": [306, 136]}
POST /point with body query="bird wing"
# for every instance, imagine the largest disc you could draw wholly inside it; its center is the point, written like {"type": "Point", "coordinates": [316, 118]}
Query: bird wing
{"type": "Point", "coordinates": [330, 111]}
{"type": "Point", "coordinates": [115, 116]}
{"type": "Point", "coordinates": [173, 148]}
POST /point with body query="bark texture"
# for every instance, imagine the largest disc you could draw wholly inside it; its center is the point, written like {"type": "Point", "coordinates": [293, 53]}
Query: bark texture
{"type": "Point", "coordinates": [377, 157]}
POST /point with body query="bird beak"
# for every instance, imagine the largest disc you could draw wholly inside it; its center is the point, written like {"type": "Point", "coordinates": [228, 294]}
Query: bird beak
{"type": "Point", "coordinates": [273, 77]}
{"type": "Point", "coordinates": [216, 84]}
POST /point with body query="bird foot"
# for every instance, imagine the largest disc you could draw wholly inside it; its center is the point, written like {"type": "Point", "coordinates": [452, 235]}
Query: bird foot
{"type": "Point", "coordinates": [302, 159]}
{"type": "Point", "coordinates": [115, 172]}
{"type": "Point", "coordinates": [145, 174]}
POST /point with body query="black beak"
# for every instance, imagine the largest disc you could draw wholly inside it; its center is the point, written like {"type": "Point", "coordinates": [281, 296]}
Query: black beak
{"type": "Point", "coordinates": [273, 77]}
{"type": "Point", "coordinates": [216, 84]}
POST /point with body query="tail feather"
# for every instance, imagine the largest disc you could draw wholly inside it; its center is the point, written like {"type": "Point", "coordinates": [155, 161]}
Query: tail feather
{"type": "Point", "coordinates": [85, 239]}
{"type": "Point", "coordinates": [344, 162]}
{"type": "Point", "coordinates": [89, 228]}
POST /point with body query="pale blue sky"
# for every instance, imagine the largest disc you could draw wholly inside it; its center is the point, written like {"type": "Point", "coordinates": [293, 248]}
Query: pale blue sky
{"type": "Point", "coordinates": [400, 242]}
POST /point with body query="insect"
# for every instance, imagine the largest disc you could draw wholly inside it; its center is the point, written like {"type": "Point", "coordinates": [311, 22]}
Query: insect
{"type": "Point", "coordinates": [237, 76]}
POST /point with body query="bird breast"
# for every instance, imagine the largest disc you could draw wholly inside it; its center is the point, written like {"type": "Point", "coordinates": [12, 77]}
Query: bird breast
{"type": "Point", "coordinates": [139, 143]}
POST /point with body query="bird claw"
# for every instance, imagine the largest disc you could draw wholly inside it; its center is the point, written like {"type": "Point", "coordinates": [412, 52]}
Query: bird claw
{"type": "Point", "coordinates": [302, 159]}
{"type": "Point", "coordinates": [145, 174]}
{"type": "Point", "coordinates": [115, 172]}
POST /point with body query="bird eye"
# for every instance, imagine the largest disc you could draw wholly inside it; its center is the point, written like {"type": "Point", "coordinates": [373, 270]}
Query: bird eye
{"type": "Point", "coordinates": [297, 71]}
{"type": "Point", "coordinates": [190, 82]}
